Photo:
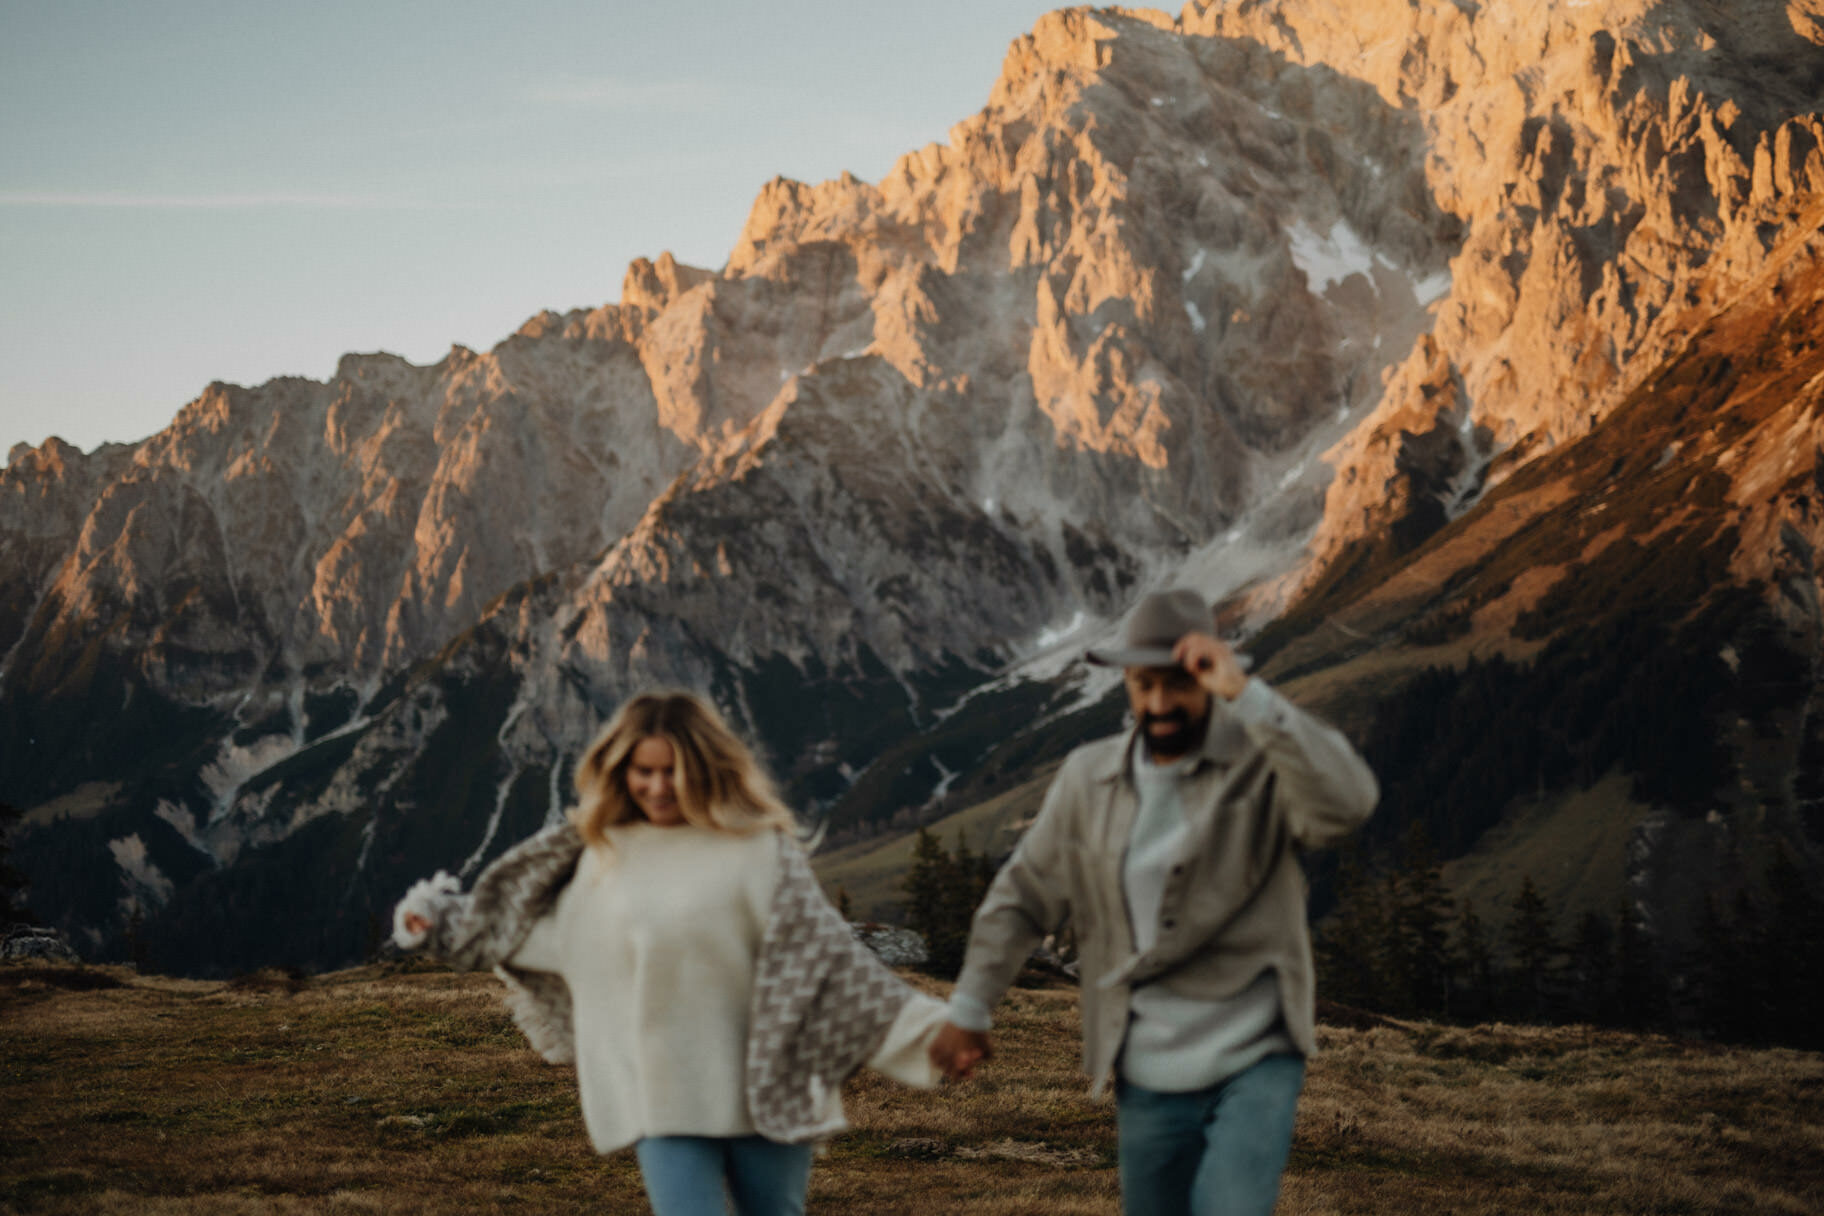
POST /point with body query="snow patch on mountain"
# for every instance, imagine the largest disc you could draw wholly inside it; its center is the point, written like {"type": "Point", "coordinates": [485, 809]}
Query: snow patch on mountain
{"type": "Point", "coordinates": [234, 763]}
{"type": "Point", "coordinates": [145, 885]}
{"type": "Point", "coordinates": [1332, 257]}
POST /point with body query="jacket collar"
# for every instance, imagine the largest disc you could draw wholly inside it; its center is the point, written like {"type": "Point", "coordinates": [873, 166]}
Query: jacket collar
{"type": "Point", "coordinates": [1223, 744]}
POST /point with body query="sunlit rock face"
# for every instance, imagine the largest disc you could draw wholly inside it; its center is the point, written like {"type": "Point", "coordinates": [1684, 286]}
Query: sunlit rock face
{"type": "Point", "coordinates": [1621, 172]}
{"type": "Point", "coordinates": [1092, 332]}
{"type": "Point", "coordinates": [1223, 293]}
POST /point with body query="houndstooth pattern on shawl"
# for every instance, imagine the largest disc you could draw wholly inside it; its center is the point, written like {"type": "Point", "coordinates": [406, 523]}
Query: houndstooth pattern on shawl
{"type": "Point", "coordinates": [510, 896]}
{"type": "Point", "coordinates": [822, 1001]}
{"type": "Point", "coordinates": [486, 926]}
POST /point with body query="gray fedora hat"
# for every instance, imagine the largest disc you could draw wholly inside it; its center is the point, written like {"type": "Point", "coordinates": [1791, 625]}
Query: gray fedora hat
{"type": "Point", "coordinates": [1155, 627]}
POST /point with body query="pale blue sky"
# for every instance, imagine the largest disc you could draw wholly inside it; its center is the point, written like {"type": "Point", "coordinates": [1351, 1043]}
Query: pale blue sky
{"type": "Point", "coordinates": [195, 191]}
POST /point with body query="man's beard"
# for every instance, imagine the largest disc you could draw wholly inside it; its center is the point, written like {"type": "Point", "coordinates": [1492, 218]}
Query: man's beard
{"type": "Point", "coordinates": [1185, 737]}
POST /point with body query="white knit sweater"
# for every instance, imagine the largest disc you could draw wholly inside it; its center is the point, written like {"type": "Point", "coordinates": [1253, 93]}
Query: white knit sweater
{"type": "Point", "coordinates": [657, 940]}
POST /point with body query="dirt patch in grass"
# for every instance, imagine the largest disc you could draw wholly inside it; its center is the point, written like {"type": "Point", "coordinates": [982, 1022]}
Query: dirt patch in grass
{"type": "Point", "coordinates": [407, 1090]}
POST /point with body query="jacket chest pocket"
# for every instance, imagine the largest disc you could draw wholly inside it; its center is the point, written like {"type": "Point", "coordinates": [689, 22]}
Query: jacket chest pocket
{"type": "Point", "coordinates": [1097, 892]}
{"type": "Point", "coordinates": [1233, 852]}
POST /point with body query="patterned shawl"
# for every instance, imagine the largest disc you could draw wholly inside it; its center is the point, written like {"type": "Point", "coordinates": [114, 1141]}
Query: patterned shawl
{"type": "Point", "coordinates": [822, 1001]}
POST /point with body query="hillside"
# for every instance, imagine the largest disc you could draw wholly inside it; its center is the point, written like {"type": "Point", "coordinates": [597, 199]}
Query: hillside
{"type": "Point", "coordinates": [1625, 631]}
{"type": "Point", "coordinates": [870, 872]}
{"type": "Point", "coordinates": [406, 1090]}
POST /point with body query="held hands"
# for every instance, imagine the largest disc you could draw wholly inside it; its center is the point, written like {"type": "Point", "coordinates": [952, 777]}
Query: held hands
{"type": "Point", "coordinates": [415, 923]}
{"type": "Point", "coordinates": [1217, 667]}
{"type": "Point", "coordinates": [957, 1051]}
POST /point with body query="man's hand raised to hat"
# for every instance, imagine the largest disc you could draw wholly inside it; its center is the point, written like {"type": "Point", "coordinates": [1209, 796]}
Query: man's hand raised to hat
{"type": "Point", "coordinates": [1217, 668]}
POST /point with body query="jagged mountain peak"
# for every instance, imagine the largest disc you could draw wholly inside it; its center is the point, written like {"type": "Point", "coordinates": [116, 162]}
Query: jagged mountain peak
{"type": "Point", "coordinates": [652, 287]}
{"type": "Point", "coordinates": [1619, 171]}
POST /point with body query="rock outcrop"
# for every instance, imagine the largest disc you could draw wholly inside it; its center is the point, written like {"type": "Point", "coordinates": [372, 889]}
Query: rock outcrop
{"type": "Point", "coordinates": [36, 943]}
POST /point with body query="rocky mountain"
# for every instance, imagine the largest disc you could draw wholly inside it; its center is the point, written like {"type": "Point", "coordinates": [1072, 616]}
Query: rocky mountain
{"type": "Point", "coordinates": [1621, 176]}
{"type": "Point", "coordinates": [1377, 323]}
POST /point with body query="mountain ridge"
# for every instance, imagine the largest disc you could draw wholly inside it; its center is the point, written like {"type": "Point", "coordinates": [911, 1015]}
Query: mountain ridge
{"type": "Point", "coordinates": [1185, 297]}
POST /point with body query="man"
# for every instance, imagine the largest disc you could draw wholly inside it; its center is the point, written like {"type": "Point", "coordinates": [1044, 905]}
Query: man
{"type": "Point", "coordinates": [1173, 849]}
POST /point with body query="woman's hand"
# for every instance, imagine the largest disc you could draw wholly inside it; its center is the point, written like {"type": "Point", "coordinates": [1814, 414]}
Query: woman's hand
{"type": "Point", "coordinates": [956, 1052]}
{"type": "Point", "coordinates": [428, 901]}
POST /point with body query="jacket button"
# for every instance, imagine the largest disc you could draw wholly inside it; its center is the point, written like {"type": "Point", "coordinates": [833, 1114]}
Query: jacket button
{"type": "Point", "coordinates": [1168, 923]}
{"type": "Point", "coordinates": [1178, 869]}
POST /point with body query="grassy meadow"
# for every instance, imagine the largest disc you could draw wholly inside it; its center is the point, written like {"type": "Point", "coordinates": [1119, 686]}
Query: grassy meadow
{"type": "Point", "coordinates": [403, 1088]}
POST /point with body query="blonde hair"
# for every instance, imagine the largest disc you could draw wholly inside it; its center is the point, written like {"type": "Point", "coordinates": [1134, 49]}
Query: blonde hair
{"type": "Point", "coordinates": [719, 784]}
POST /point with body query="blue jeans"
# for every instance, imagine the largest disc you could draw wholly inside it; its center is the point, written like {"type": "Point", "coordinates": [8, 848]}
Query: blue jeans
{"type": "Point", "coordinates": [1209, 1152]}
{"type": "Point", "coordinates": [698, 1175]}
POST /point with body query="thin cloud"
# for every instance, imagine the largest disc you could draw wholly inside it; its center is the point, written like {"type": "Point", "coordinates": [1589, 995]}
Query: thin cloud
{"type": "Point", "coordinates": [312, 202]}
{"type": "Point", "coordinates": [615, 93]}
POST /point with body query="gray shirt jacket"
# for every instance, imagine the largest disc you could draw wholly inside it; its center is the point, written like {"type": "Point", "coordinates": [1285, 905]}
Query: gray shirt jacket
{"type": "Point", "coordinates": [1269, 781]}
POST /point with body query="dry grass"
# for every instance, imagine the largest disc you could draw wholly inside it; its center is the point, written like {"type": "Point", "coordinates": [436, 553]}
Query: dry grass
{"type": "Point", "coordinates": [406, 1090]}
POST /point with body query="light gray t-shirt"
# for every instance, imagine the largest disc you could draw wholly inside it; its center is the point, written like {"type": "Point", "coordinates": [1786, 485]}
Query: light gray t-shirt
{"type": "Point", "coordinates": [1175, 1042]}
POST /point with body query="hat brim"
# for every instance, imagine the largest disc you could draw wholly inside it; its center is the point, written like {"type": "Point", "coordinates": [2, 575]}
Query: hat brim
{"type": "Point", "coordinates": [1148, 656]}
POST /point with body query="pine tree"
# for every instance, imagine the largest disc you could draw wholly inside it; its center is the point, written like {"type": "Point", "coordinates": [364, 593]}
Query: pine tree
{"type": "Point", "coordinates": [969, 877]}
{"type": "Point", "coordinates": [1534, 948]}
{"type": "Point", "coordinates": [1638, 994]}
{"type": "Point", "coordinates": [1794, 944]}
{"type": "Point", "coordinates": [942, 891]}
{"type": "Point", "coordinates": [1419, 943]}
{"type": "Point", "coordinates": [1718, 967]}
{"type": "Point", "coordinates": [10, 881]}
{"type": "Point", "coordinates": [960, 893]}
{"type": "Point", "coordinates": [1351, 944]}
{"type": "Point", "coordinates": [924, 885]}
{"type": "Point", "coordinates": [1752, 981]}
{"type": "Point", "coordinates": [1593, 970]}
{"type": "Point", "coordinates": [133, 935]}
{"type": "Point", "coordinates": [1473, 963]}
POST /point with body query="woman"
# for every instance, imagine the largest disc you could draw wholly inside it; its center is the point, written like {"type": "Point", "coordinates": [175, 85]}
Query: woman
{"type": "Point", "coordinates": [671, 941]}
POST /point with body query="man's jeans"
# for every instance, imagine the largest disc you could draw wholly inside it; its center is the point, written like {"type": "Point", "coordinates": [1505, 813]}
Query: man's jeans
{"type": "Point", "coordinates": [697, 1175]}
{"type": "Point", "coordinates": [1210, 1152]}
